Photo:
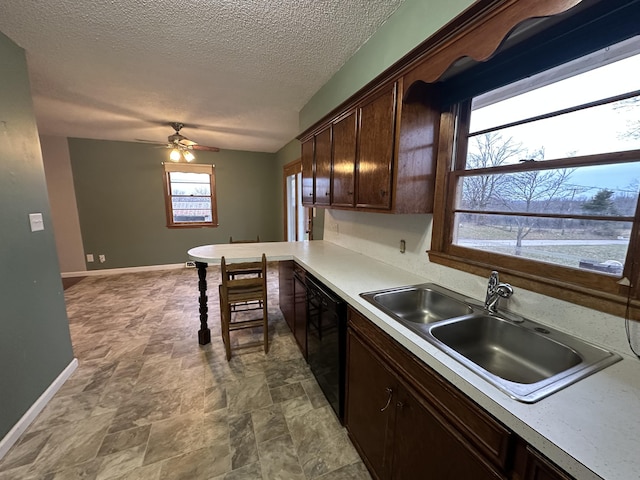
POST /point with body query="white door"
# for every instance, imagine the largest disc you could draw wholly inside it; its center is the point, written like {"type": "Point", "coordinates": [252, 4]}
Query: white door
{"type": "Point", "coordinates": [297, 219]}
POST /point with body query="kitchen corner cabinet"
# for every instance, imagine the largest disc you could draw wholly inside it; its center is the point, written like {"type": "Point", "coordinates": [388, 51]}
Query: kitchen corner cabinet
{"type": "Point", "coordinates": [293, 300]}
{"type": "Point", "coordinates": [300, 308]}
{"type": "Point", "coordinates": [380, 155]}
{"type": "Point", "coordinates": [285, 290]}
{"type": "Point", "coordinates": [409, 423]}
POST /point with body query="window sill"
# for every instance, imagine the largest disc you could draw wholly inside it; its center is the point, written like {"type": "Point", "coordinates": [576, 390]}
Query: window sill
{"type": "Point", "coordinates": [194, 225]}
{"type": "Point", "coordinates": [602, 301]}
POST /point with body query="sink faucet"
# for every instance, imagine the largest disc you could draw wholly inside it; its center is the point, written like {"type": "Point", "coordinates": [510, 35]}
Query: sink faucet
{"type": "Point", "coordinates": [496, 290]}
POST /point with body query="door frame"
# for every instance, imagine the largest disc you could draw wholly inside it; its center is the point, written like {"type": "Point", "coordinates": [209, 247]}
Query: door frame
{"type": "Point", "coordinates": [293, 168]}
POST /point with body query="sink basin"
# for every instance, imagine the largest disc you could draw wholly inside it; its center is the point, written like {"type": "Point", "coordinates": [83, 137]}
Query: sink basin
{"type": "Point", "coordinates": [505, 349]}
{"type": "Point", "coordinates": [524, 359]}
{"type": "Point", "coordinates": [418, 304]}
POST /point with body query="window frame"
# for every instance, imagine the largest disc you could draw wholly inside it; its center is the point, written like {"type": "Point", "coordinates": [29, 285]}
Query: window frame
{"type": "Point", "coordinates": [190, 168]}
{"type": "Point", "coordinates": [595, 290]}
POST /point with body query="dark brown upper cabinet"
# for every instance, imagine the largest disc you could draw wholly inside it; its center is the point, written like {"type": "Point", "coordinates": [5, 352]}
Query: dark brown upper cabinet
{"type": "Point", "coordinates": [308, 184]}
{"type": "Point", "coordinates": [323, 167]}
{"type": "Point", "coordinates": [343, 179]}
{"type": "Point", "coordinates": [382, 153]}
{"type": "Point", "coordinates": [384, 139]}
{"type": "Point", "coordinates": [376, 142]}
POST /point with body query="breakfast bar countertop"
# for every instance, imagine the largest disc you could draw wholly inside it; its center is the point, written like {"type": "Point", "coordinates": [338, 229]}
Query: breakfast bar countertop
{"type": "Point", "coordinates": [591, 428]}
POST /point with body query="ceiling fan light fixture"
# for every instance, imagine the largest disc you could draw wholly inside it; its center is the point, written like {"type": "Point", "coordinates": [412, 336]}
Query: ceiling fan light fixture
{"type": "Point", "coordinates": [175, 155]}
{"type": "Point", "coordinates": [188, 156]}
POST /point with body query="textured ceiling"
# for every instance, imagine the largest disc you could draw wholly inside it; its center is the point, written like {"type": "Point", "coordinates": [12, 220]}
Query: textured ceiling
{"type": "Point", "coordinates": [236, 72]}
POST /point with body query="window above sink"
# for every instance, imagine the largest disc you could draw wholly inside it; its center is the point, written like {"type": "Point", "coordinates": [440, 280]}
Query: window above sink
{"type": "Point", "coordinates": [543, 179]}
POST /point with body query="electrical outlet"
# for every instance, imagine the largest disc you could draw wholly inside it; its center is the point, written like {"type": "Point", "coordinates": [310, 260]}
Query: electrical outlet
{"type": "Point", "coordinates": [190, 264]}
{"type": "Point", "coordinates": [89, 257]}
{"type": "Point", "coordinates": [102, 258]}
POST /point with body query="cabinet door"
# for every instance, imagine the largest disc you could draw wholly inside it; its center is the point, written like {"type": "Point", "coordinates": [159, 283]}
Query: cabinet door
{"type": "Point", "coordinates": [539, 468]}
{"type": "Point", "coordinates": [285, 277]}
{"type": "Point", "coordinates": [370, 396]}
{"type": "Point", "coordinates": [426, 446]}
{"type": "Point", "coordinates": [375, 151]}
{"type": "Point", "coordinates": [300, 315]}
{"type": "Point", "coordinates": [344, 161]}
{"type": "Point", "coordinates": [323, 167]}
{"type": "Point", "coordinates": [307, 172]}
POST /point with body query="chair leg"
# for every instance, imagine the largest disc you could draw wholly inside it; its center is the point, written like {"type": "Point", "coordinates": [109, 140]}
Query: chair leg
{"type": "Point", "coordinates": [265, 327]}
{"type": "Point", "coordinates": [225, 333]}
{"type": "Point", "coordinates": [225, 315]}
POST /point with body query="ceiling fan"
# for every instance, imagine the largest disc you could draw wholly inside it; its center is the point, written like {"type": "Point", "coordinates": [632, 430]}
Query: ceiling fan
{"type": "Point", "coordinates": [181, 147]}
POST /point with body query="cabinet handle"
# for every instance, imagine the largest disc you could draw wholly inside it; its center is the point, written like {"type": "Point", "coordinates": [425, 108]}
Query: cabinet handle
{"type": "Point", "coordinates": [326, 194]}
{"type": "Point", "coordinates": [390, 393]}
{"type": "Point", "coordinates": [400, 405]}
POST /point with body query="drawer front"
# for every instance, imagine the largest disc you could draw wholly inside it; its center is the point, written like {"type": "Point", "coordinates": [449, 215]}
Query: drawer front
{"type": "Point", "coordinates": [477, 426]}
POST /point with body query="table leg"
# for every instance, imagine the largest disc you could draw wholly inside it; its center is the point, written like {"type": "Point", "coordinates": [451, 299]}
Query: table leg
{"type": "Point", "coordinates": [204, 334]}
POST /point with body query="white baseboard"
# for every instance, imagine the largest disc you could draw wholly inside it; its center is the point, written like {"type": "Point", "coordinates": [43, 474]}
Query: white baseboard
{"type": "Point", "coordinates": [18, 429]}
{"type": "Point", "coordinates": [117, 271]}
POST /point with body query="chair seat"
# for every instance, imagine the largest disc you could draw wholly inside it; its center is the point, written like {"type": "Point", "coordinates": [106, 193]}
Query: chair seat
{"type": "Point", "coordinates": [243, 288]}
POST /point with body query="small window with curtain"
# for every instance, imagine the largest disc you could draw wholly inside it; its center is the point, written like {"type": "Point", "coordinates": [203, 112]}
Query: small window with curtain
{"type": "Point", "coordinates": [190, 196]}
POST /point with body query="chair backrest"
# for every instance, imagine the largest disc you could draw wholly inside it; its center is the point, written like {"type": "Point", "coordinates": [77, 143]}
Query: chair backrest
{"type": "Point", "coordinates": [244, 275]}
{"type": "Point", "coordinates": [257, 240]}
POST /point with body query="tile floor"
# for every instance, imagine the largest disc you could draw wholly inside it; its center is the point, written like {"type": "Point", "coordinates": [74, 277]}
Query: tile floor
{"type": "Point", "coordinates": [148, 402]}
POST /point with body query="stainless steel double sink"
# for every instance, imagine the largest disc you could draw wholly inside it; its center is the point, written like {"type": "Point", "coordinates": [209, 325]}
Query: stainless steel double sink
{"type": "Point", "coordinates": [522, 358]}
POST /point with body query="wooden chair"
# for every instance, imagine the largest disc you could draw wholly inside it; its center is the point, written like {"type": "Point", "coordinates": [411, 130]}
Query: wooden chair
{"type": "Point", "coordinates": [243, 289]}
{"type": "Point", "coordinates": [231, 240]}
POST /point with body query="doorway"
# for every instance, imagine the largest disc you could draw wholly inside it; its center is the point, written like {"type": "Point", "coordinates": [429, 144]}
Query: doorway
{"type": "Point", "coordinates": [297, 221]}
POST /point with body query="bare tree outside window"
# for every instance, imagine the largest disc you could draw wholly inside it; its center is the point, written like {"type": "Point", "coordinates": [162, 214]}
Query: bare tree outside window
{"type": "Point", "coordinates": [488, 150]}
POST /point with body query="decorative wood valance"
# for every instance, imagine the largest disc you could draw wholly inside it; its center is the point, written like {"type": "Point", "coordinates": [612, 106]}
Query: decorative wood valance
{"type": "Point", "coordinates": [476, 33]}
{"type": "Point", "coordinates": [477, 37]}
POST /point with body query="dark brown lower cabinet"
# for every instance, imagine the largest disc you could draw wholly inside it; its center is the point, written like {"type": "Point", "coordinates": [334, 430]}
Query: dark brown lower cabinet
{"type": "Point", "coordinates": [532, 465]}
{"type": "Point", "coordinates": [409, 423]}
{"type": "Point", "coordinates": [285, 292]}
{"type": "Point", "coordinates": [300, 308]}
{"type": "Point", "coordinates": [369, 413]}
{"type": "Point", "coordinates": [427, 446]}
{"type": "Point", "coordinates": [397, 433]}
{"type": "Point", "coordinates": [293, 300]}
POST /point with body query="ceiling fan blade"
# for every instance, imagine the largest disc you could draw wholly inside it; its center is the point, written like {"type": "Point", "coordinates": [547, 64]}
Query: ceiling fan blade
{"type": "Point", "coordinates": [204, 148]}
{"type": "Point", "coordinates": [186, 142]}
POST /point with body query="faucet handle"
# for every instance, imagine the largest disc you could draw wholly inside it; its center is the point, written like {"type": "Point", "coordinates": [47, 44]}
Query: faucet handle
{"type": "Point", "coordinates": [494, 280]}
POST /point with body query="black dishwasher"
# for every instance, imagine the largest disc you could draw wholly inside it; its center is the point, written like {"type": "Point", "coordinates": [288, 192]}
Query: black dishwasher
{"type": "Point", "coordinates": [327, 341]}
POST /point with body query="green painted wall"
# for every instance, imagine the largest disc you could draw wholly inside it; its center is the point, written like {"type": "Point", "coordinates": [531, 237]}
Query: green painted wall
{"type": "Point", "coordinates": [120, 196]}
{"type": "Point", "coordinates": [35, 346]}
{"type": "Point", "coordinates": [410, 25]}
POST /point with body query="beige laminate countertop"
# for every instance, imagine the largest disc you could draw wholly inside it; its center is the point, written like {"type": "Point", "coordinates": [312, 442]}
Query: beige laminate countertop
{"type": "Point", "coordinates": [591, 428]}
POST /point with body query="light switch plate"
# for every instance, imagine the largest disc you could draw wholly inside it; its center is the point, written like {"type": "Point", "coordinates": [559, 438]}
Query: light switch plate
{"type": "Point", "coordinates": [36, 222]}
